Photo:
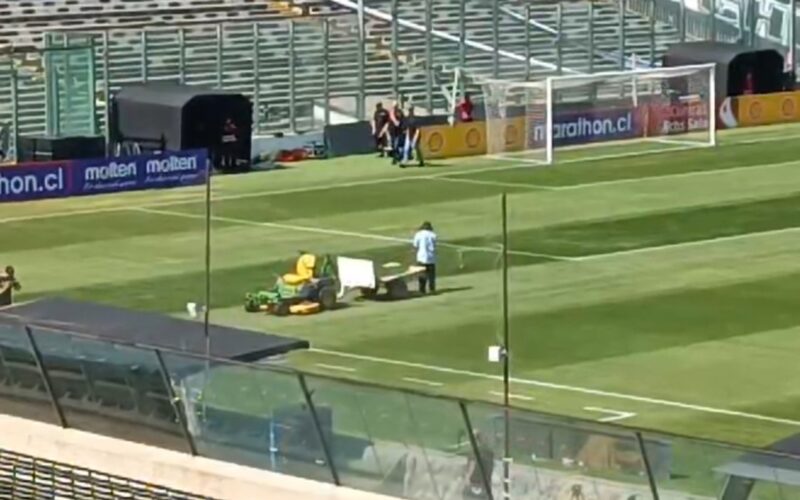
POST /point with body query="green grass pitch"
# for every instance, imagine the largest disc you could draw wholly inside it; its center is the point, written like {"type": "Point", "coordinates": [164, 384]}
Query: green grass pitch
{"type": "Point", "coordinates": [658, 290]}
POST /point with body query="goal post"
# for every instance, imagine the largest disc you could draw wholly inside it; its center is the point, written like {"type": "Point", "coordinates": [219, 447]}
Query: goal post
{"type": "Point", "coordinates": [617, 113]}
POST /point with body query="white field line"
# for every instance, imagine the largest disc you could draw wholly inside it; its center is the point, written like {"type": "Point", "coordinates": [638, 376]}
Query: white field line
{"type": "Point", "coordinates": [448, 174]}
{"type": "Point", "coordinates": [512, 396]}
{"type": "Point", "coordinates": [614, 415]}
{"type": "Point", "coordinates": [511, 185]}
{"type": "Point", "coordinates": [336, 232]}
{"type": "Point", "coordinates": [568, 388]}
{"type": "Point", "coordinates": [420, 381]}
{"type": "Point", "coordinates": [684, 244]}
{"type": "Point", "coordinates": [335, 367]}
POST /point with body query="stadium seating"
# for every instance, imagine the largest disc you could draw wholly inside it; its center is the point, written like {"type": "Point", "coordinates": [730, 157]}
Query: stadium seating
{"type": "Point", "coordinates": [182, 40]}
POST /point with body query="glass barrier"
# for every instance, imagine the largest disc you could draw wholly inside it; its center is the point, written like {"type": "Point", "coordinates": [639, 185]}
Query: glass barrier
{"type": "Point", "coordinates": [110, 389]}
{"type": "Point", "coordinates": [700, 469]}
{"type": "Point", "coordinates": [394, 443]}
{"type": "Point", "coordinates": [249, 415]}
{"type": "Point", "coordinates": [22, 388]}
{"type": "Point", "coordinates": [554, 458]}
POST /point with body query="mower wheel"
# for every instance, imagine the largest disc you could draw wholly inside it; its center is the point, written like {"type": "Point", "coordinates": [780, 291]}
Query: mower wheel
{"type": "Point", "coordinates": [369, 293]}
{"type": "Point", "coordinates": [327, 298]}
{"type": "Point", "coordinates": [282, 308]}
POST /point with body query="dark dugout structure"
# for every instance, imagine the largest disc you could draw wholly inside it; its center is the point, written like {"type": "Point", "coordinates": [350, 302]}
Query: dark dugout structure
{"type": "Point", "coordinates": [734, 63]}
{"type": "Point", "coordinates": [170, 117]}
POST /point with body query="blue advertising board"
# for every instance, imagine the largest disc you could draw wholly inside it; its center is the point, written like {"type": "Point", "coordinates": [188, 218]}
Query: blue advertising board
{"type": "Point", "coordinates": [37, 181]}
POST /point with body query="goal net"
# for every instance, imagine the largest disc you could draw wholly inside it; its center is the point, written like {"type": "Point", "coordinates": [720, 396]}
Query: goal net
{"type": "Point", "coordinates": [616, 113]}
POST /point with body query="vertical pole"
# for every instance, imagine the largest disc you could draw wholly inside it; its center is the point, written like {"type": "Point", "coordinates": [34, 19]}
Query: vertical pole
{"type": "Point", "coordinates": [207, 308]}
{"type": "Point", "coordinates": [143, 61]}
{"type": "Point", "coordinates": [559, 36]}
{"type": "Point", "coordinates": [793, 40]}
{"type": "Point", "coordinates": [591, 38]}
{"type": "Point", "coordinates": [462, 33]}
{"type": "Point", "coordinates": [48, 384]}
{"type": "Point", "coordinates": [752, 9]}
{"type": "Point", "coordinates": [527, 42]}
{"type": "Point", "coordinates": [682, 20]}
{"type": "Point", "coordinates": [622, 35]}
{"type": "Point", "coordinates": [326, 70]}
{"type": "Point", "coordinates": [175, 403]}
{"type": "Point", "coordinates": [394, 49]}
{"type": "Point", "coordinates": [292, 111]}
{"type": "Point", "coordinates": [650, 478]}
{"type": "Point", "coordinates": [742, 22]}
{"type": "Point", "coordinates": [549, 119]}
{"type": "Point", "coordinates": [107, 91]}
{"type": "Point", "coordinates": [713, 14]}
{"type": "Point", "coordinates": [712, 105]}
{"type": "Point", "coordinates": [652, 34]}
{"type": "Point", "coordinates": [14, 109]}
{"type": "Point", "coordinates": [362, 78]}
{"type": "Point", "coordinates": [496, 38]}
{"type": "Point", "coordinates": [487, 481]}
{"type": "Point", "coordinates": [257, 77]}
{"type": "Point", "coordinates": [430, 66]}
{"type": "Point", "coordinates": [220, 50]}
{"type": "Point", "coordinates": [326, 450]}
{"type": "Point", "coordinates": [506, 359]}
{"type": "Point", "coordinates": [182, 55]}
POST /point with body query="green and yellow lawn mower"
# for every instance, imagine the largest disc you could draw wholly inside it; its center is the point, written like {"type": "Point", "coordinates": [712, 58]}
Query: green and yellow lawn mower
{"type": "Point", "coordinates": [312, 288]}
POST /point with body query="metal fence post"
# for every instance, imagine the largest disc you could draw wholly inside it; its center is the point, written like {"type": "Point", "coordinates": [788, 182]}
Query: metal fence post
{"type": "Point", "coordinates": [713, 14]}
{"type": "Point", "coordinates": [487, 481]}
{"type": "Point", "coordinates": [652, 34]}
{"type": "Point", "coordinates": [462, 33]}
{"type": "Point", "coordinates": [394, 48]}
{"type": "Point", "coordinates": [107, 90]}
{"type": "Point", "coordinates": [256, 77]}
{"type": "Point", "coordinates": [682, 21]}
{"type": "Point", "coordinates": [48, 384]}
{"type": "Point", "coordinates": [528, 41]}
{"type": "Point", "coordinates": [622, 34]}
{"type": "Point", "coordinates": [793, 39]}
{"type": "Point", "coordinates": [220, 50]}
{"type": "Point", "coordinates": [362, 73]}
{"type": "Point", "coordinates": [318, 426]}
{"type": "Point", "coordinates": [496, 38]}
{"type": "Point", "coordinates": [326, 70]}
{"type": "Point", "coordinates": [292, 111]}
{"type": "Point", "coordinates": [181, 55]}
{"type": "Point", "coordinates": [429, 63]}
{"type": "Point", "coordinates": [559, 36]}
{"type": "Point", "coordinates": [14, 109]}
{"type": "Point", "coordinates": [650, 477]}
{"type": "Point", "coordinates": [174, 400]}
{"type": "Point", "coordinates": [591, 37]}
{"type": "Point", "coordinates": [143, 61]}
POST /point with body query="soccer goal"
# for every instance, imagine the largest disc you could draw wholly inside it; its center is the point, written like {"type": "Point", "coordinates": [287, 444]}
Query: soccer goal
{"type": "Point", "coordinates": [618, 113]}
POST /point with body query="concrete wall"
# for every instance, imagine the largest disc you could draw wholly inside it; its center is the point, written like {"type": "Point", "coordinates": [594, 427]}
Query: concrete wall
{"type": "Point", "coordinates": [201, 476]}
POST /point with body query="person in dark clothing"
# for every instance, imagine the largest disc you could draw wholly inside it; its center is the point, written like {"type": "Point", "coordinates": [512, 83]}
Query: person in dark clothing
{"type": "Point", "coordinates": [411, 146]}
{"type": "Point", "coordinates": [397, 129]}
{"type": "Point", "coordinates": [8, 285]}
{"type": "Point", "coordinates": [229, 144]}
{"type": "Point", "coordinates": [465, 109]}
{"type": "Point", "coordinates": [380, 129]}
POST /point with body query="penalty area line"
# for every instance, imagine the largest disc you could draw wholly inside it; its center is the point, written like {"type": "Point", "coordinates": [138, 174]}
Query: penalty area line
{"type": "Point", "coordinates": [567, 388]}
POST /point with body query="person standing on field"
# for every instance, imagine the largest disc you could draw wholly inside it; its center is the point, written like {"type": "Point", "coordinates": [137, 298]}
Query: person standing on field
{"type": "Point", "coordinates": [425, 247]}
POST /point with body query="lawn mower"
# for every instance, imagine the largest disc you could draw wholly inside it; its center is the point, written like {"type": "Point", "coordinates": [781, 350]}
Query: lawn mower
{"type": "Point", "coordinates": [311, 289]}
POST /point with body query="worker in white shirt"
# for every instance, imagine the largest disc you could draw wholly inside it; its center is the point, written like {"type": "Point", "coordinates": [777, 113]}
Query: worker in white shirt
{"type": "Point", "coordinates": [425, 246]}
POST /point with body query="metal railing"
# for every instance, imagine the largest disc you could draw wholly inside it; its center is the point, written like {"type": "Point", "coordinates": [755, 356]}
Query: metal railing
{"type": "Point", "coordinates": [395, 442]}
{"type": "Point", "coordinates": [24, 477]}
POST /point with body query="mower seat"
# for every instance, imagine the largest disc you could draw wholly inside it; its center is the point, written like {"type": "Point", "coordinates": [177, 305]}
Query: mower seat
{"type": "Point", "coordinates": [303, 272]}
